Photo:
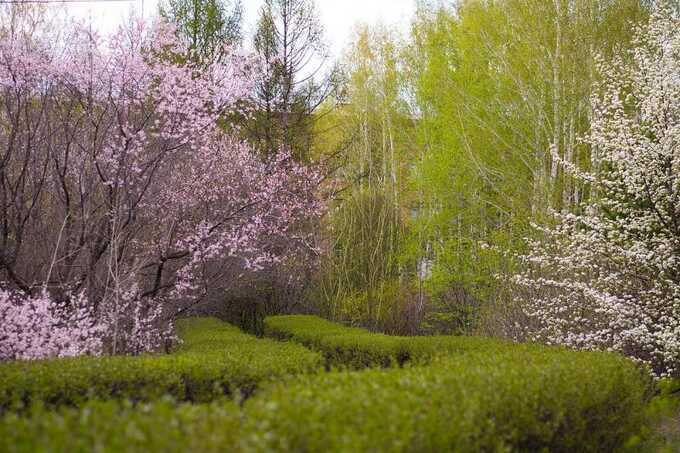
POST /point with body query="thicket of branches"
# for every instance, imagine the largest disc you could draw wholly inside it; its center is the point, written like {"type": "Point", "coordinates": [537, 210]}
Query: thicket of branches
{"type": "Point", "coordinates": [120, 192]}
{"type": "Point", "coordinates": [491, 118]}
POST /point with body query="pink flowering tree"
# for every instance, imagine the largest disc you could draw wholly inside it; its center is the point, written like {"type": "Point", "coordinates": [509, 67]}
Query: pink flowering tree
{"type": "Point", "coordinates": [118, 183]}
{"type": "Point", "coordinates": [609, 278]}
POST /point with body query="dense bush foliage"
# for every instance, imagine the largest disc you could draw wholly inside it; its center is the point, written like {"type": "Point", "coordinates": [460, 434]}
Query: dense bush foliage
{"type": "Point", "coordinates": [112, 426]}
{"type": "Point", "coordinates": [485, 402]}
{"type": "Point", "coordinates": [491, 401]}
{"type": "Point", "coordinates": [216, 359]}
{"type": "Point", "coordinates": [359, 279]}
{"type": "Point", "coordinates": [661, 430]}
{"type": "Point", "coordinates": [342, 346]}
{"type": "Point", "coordinates": [358, 348]}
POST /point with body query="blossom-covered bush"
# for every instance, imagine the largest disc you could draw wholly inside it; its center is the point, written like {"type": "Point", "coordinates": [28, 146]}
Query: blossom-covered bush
{"type": "Point", "coordinates": [609, 278]}
{"type": "Point", "coordinates": [39, 327]}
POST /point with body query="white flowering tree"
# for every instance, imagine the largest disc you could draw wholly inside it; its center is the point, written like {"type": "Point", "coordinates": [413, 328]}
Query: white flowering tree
{"type": "Point", "coordinates": [609, 278]}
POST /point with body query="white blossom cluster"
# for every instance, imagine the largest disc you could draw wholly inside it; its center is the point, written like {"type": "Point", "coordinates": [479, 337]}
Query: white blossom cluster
{"type": "Point", "coordinates": [609, 277]}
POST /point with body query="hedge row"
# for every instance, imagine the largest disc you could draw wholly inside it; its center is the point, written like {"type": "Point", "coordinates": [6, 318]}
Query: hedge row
{"type": "Point", "coordinates": [358, 348]}
{"type": "Point", "coordinates": [488, 402]}
{"type": "Point", "coordinates": [215, 359]}
{"type": "Point", "coordinates": [119, 426]}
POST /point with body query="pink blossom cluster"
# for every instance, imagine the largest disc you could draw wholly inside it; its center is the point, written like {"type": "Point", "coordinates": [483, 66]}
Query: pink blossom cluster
{"type": "Point", "coordinates": [135, 325]}
{"type": "Point", "coordinates": [39, 327]}
{"type": "Point", "coordinates": [609, 278]}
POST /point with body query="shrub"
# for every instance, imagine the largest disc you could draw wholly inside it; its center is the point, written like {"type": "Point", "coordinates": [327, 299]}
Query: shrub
{"type": "Point", "coordinates": [358, 348]}
{"type": "Point", "coordinates": [215, 359]}
{"type": "Point", "coordinates": [114, 426]}
{"type": "Point", "coordinates": [487, 402]}
{"type": "Point", "coordinates": [342, 346]}
{"type": "Point", "coordinates": [39, 327]}
{"type": "Point", "coordinates": [515, 400]}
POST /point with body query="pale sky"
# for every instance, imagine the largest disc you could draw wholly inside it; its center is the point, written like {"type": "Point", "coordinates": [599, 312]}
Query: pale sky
{"type": "Point", "coordinates": [338, 16]}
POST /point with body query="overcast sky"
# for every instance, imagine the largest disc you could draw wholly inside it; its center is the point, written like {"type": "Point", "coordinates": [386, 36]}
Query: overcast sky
{"type": "Point", "coordinates": [338, 16]}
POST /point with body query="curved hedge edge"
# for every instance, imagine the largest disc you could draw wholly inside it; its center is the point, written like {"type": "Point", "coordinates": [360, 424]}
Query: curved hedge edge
{"type": "Point", "coordinates": [515, 401]}
{"type": "Point", "coordinates": [519, 401]}
{"type": "Point", "coordinates": [356, 348]}
{"type": "Point", "coordinates": [216, 359]}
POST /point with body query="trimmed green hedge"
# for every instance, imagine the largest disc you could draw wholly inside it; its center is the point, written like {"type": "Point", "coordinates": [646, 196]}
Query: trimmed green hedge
{"type": "Point", "coordinates": [215, 359]}
{"type": "Point", "coordinates": [550, 400]}
{"type": "Point", "coordinates": [554, 400]}
{"type": "Point", "coordinates": [115, 426]}
{"type": "Point", "coordinates": [358, 348]}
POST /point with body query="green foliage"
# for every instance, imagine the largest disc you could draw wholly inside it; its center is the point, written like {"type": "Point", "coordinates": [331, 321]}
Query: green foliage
{"type": "Point", "coordinates": [498, 84]}
{"type": "Point", "coordinates": [485, 402]}
{"type": "Point", "coordinates": [215, 359]}
{"type": "Point", "coordinates": [356, 348]}
{"type": "Point", "coordinates": [342, 346]}
{"type": "Point", "coordinates": [359, 278]}
{"type": "Point", "coordinates": [453, 128]}
{"type": "Point", "coordinates": [453, 311]}
{"type": "Point", "coordinates": [661, 429]}
{"type": "Point", "coordinates": [491, 401]}
{"type": "Point", "coordinates": [115, 426]}
{"type": "Point", "coordinates": [376, 119]}
{"type": "Point", "coordinates": [363, 279]}
{"type": "Point", "coordinates": [206, 26]}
